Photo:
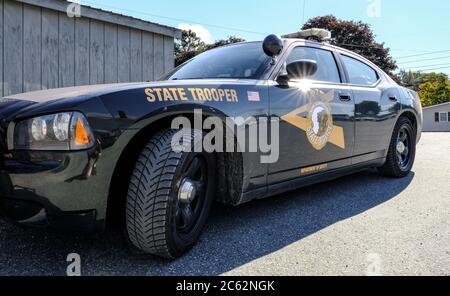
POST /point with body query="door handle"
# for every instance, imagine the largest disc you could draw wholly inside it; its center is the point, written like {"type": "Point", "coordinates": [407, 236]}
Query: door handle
{"type": "Point", "coordinates": [393, 98]}
{"type": "Point", "coordinates": [345, 97]}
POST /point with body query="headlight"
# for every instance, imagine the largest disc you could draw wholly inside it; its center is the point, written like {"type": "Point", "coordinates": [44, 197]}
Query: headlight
{"type": "Point", "coordinates": [62, 131]}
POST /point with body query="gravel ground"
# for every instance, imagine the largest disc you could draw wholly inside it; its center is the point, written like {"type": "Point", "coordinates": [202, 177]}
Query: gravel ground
{"type": "Point", "coordinates": [357, 225]}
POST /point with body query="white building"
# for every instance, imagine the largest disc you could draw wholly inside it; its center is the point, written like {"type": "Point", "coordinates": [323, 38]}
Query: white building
{"type": "Point", "coordinates": [437, 118]}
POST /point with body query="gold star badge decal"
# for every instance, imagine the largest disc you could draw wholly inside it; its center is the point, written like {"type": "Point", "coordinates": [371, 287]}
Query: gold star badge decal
{"type": "Point", "coordinates": [318, 124]}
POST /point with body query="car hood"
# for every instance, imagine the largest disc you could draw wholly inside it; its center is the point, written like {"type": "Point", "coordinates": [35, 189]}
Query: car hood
{"type": "Point", "coordinates": [68, 92]}
{"type": "Point", "coordinates": [15, 104]}
{"type": "Point", "coordinates": [44, 100]}
{"type": "Point", "coordinates": [43, 96]}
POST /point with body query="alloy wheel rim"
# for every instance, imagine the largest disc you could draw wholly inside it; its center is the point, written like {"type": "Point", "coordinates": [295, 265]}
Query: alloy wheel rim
{"type": "Point", "coordinates": [191, 195]}
{"type": "Point", "coordinates": [403, 148]}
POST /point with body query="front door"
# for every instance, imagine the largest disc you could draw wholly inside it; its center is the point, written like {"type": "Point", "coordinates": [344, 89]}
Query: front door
{"type": "Point", "coordinates": [316, 119]}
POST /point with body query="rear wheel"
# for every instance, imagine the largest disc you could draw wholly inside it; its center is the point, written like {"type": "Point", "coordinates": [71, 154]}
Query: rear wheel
{"type": "Point", "coordinates": [402, 150]}
{"type": "Point", "coordinates": [170, 196]}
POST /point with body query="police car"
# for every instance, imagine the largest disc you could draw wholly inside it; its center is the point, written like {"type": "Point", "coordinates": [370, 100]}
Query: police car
{"type": "Point", "coordinates": [81, 157]}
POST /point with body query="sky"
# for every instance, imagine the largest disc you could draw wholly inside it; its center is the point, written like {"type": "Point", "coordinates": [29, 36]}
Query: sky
{"type": "Point", "coordinates": [418, 32]}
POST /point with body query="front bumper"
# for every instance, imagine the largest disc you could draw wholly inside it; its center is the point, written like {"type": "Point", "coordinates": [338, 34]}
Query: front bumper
{"type": "Point", "coordinates": [55, 189]}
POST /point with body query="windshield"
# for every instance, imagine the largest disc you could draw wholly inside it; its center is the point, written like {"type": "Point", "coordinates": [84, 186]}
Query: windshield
{"type": "Point", "coordinates": [244, 60]}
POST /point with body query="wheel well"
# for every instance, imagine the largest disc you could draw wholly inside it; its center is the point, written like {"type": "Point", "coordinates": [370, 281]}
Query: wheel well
{"type": "Point", "coordinates": [228, 183]}
{"type": "Point", "coordinates": [410, 115]}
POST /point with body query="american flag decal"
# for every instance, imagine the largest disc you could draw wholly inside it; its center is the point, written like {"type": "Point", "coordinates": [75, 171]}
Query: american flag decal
{"type": "Point", "coordinates": [253, 96]}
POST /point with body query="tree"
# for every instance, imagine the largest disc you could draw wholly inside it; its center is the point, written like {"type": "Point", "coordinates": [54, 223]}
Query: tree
{"type": "Point", "coordinates": [357, 37]}
{"type": "Point", "coordinates": [189, 42]}
{"type": "Point", "coordinates": [434, 89]}
{"type": "Point", "coordinates": [411, 79]}
{"type": "Point", "coordinates": [223, 42]}
{"type": "Point", "coordinates": [190, 45]}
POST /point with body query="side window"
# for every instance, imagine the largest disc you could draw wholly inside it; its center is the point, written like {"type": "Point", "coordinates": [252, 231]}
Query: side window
{"type": "Point", "coordinates": [359, 73]}
{"type": "Point", "coordinates": [327, 70]}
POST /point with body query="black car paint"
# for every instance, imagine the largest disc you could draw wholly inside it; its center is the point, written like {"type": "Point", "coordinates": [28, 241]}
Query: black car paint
{"type": "Point", "coordinates": [72, 187]}
{"type": "Point", "coordinates": [76, 185]}
{"type": "Point", "coordinates": [293, 143]}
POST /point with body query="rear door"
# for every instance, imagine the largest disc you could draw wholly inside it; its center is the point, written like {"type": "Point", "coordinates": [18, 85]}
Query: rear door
{"type": "Point", "coordinates": [316, 118]}
{"type": "Point", "coordinates": [377, 104]}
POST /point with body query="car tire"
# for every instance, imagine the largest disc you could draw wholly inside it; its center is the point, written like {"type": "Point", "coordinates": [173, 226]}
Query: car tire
{"type": "Point", "coordinates": [170, 195]}
{"type": "Point", "coordinates": [402, 150]}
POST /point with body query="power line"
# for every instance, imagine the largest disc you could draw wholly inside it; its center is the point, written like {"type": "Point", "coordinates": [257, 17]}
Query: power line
{"type": "Point", "coordinates": [361, 46]}
{"type": "Point", "coordinates": [177, 19]}
{"type": "Point", "coordinates": [235, 29]}
{"type": "Point", "coordinates": [423, 60]}
{"type": "Point", "coordinates": [427, 66]}
{"type": "Point", "coordinates": [423, 54]}
{"type": "Point", "coordinates": [440, 68]}
{"type": "Point", "coordinates": [411, 50]}
{"type": "Point", "coordinates": [382, 47]}
{"type": "Point", "coordinates": [371, 46]}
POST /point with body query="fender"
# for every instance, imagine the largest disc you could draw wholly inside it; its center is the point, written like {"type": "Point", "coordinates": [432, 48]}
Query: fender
{"type": "Point", "coordinates": [410, 102]}
{"type": "Point", "coordinates": [136, 115]}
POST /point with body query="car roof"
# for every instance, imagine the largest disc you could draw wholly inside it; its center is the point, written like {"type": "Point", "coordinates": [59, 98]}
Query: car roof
{"type": "Point", "coordinates": [338, 49]}
{"type": "Point", "coordinates": [331, 46]}
{"type": "Point", "coordinates": [289, 41]}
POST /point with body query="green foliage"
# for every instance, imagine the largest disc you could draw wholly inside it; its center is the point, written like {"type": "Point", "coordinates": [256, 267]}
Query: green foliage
{"type": "Point", "coordinates": [188, 47]}
{"type": "Point", "coordinates": [223, 42]}
{"type": "Point", "coordinates": [434, 89]}
{"type": "Point", "coordinates": [357, 37]}
{"type": "Point", "coordinates": [191, 45]}
{"type": "Point", "coordinates": [189, 42]}
{"type": "Point", "coordinates": [411, 79]}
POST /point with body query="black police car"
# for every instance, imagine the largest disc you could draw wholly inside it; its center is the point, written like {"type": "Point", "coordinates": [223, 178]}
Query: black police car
{"type": "Point", "coordinates": [79, 157]}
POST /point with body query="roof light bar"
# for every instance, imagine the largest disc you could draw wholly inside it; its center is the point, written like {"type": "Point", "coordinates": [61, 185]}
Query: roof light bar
{"type": "Point", "coordinates": [320, 35]}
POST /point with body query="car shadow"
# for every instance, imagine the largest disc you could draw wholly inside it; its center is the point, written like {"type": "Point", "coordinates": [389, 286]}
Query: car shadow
{"type": "Point", "coordinates": [233, 236]}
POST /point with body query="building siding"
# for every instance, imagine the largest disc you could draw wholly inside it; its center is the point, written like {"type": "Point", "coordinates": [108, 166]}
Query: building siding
{"type": "Point", "coordinates": [429, 122]}
{"type": "Point", "coordinates": [41, 47]}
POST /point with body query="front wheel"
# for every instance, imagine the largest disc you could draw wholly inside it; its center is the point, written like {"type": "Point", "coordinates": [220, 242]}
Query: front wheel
{"type": "Point", "coordinates": [170, 196]}
{"type": "Point", "coordinates": [402, 150]}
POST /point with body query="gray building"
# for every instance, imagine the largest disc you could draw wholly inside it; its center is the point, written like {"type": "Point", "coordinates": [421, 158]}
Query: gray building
{"type": "Point", "coordinates": [43, 47]}
{"type": "Point", "coordinates": [437, 118]}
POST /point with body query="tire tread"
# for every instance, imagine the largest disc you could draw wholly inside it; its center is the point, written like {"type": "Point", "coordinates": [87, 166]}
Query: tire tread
{"type": "Point", "coordinates": [148, 195]}
{"type": "Point", "coordinates": [390, 167]}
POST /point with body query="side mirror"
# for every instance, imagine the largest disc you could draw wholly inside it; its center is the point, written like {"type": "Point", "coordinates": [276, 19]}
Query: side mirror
{"type": "Point", "coordinates": [301, 69]}
{"type": "Point", "coordinates": [273, 45]}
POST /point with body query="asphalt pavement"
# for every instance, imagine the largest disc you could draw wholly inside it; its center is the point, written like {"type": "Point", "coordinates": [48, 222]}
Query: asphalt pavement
{"type": "Point", "coordinates": [361, 224]}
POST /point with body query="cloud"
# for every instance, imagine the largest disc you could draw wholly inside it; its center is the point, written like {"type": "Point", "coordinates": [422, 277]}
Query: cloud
{"type": "Point", "coordinates": [201, 32]}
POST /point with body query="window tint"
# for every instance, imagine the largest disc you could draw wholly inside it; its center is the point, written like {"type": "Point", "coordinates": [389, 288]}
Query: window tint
{"type": "Point", "coordinates": [244, 60]}
{"type": "Point", "coordinates": [327, 70]}
{"type": "Point", "coordinates": [359, 73]}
